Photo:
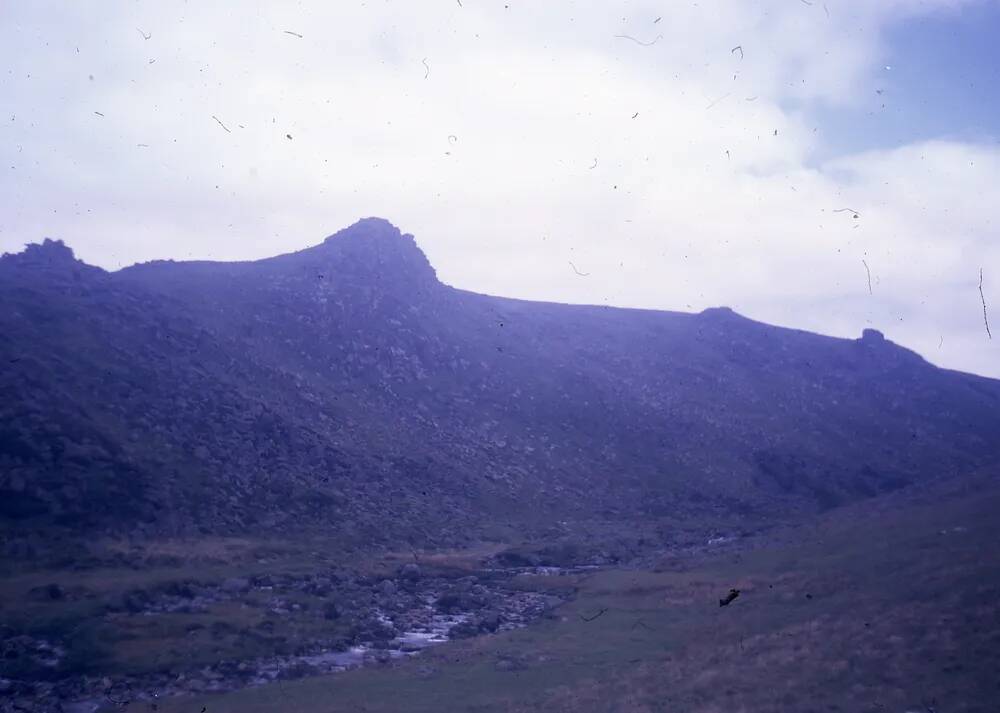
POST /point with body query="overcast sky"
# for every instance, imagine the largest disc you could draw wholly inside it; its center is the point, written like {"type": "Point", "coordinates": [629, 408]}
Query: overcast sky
{"type": "Point", "coordinates": [768, 156]}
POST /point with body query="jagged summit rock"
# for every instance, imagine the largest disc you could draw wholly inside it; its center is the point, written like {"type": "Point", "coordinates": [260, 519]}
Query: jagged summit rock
{"type": "Point", "coordinates": [47, 254]}
{"type": "Point", "coordinates": [872, 336]}
{"type": "Point", "coordinates": [386, 252]}
{"type": "Point", "coordinates": [721, 311]}
{"type": "Point", "coordinates": [52, 258]}
{"type": "Point", "coordinates": [372, 228]}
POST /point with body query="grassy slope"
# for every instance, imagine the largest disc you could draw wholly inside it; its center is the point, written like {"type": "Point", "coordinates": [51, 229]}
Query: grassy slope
{"type": "Point", "coordinates": [900, 615]}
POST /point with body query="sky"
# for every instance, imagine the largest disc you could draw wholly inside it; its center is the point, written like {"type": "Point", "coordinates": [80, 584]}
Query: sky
{"type": "Point", "coordinates": [829, 166]}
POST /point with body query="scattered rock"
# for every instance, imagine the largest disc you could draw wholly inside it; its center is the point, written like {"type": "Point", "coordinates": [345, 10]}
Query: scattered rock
{"type": "Point", "coordinates": [375, 613]}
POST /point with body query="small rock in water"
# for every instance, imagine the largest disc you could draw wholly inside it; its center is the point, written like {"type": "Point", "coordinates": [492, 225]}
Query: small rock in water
{"type": "Point", "coordinates": [490, 621]}
{"type": "Point", "coordinates": [463, 630]}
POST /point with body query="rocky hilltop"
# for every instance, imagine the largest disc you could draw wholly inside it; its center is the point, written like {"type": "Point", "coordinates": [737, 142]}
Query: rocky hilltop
{"type": "Point", "coordinates": [344, 388]}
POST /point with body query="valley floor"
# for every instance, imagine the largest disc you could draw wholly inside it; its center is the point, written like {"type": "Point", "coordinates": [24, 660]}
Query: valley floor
{"type": "Point", "coordinates": [888, 606]}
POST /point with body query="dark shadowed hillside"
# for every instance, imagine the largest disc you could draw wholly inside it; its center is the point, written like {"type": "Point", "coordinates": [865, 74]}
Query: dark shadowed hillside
{"type": "Point", "coordinates": [344, 388]}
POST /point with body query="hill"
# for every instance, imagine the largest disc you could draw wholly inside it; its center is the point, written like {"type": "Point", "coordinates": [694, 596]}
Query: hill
{"type": "Point", "coordinates": [343, 388]}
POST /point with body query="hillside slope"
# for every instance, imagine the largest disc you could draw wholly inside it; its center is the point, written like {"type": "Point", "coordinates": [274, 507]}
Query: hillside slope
{"type": "Point", "coordinates": [344, 387]}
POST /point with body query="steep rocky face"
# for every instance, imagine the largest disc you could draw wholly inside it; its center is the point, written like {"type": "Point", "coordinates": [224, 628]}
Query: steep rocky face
{"type": "Point", "coordinates": [343, 387]}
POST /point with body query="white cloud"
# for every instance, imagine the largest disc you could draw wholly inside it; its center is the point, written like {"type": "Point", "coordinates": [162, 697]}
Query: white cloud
{"type": "Point", "coordinates": [531, 95]}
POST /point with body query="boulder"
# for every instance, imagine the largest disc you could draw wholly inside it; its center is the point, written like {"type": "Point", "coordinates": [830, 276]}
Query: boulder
{"type": "Point", "coordinates": [373, 629]}
{"type": "Point", "coordinates": [236, 585]}
{"type": "Point", "coordinates": [463, 597]}
{"type": "Point", "coordinates": [489, 622]}
{"type": "Point", "coordinates": [135, 601]}
{"type": "Point", "coordinates": [410, 571]}
{"type": "Point", "coordinates": [515, 558]}
{"type": "Point", "coordinates": [49, 592]}
{"type": "Point", "coordinates": [319, 586]}
{"type": "Point", "coordinates": [449, 603]}
{"type": "Point", "coordinates": [463, 630]}
{"type": "Point", "coordinates": [184, 590]}
{"type": "Point", "coordinates": [510, 663]}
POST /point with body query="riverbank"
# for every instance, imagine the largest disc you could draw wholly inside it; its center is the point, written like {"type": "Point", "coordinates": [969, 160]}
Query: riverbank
{"type": "Point", "coordinates": [187, 636]}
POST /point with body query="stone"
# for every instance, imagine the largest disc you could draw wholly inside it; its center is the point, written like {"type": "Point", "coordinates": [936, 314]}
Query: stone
{"type": "Point", "coordinates": [463, 630]}
{"type": "Point", "coordinates": [236, 585]}
{"type": "Point", "coordinates": [426, 672]}
{"type": "Point", "coordinates": [508, 662]}
{"type": "Point", "coordinates": [410, 572]}
{"type": "Point", "coordinates": [135, 601]}
{"type": "Point", "coordinates": [374, 629]}
{"type": "Point", "coordinates": [184, 590]}
{"type": "Point", "coordinates": [48, 592]}
{"type": "Point", "coordinates": [490, 621]}
{"type": "Point", "coordinates": [514, 558]}
{"type": "Point", "coordinates": [80, 707]}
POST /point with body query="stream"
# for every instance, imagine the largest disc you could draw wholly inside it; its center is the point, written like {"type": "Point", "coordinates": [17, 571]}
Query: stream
{"type": "Point", "coordinates": [416, 628]}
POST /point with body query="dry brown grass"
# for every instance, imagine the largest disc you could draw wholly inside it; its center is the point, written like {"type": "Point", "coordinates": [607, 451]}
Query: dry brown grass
{"type": "Point", "coordinates": [186, 549]}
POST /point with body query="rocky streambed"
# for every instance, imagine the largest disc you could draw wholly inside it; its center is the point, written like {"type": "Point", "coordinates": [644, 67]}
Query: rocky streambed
{"type": "Point", "coordinates": [378, 620]}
